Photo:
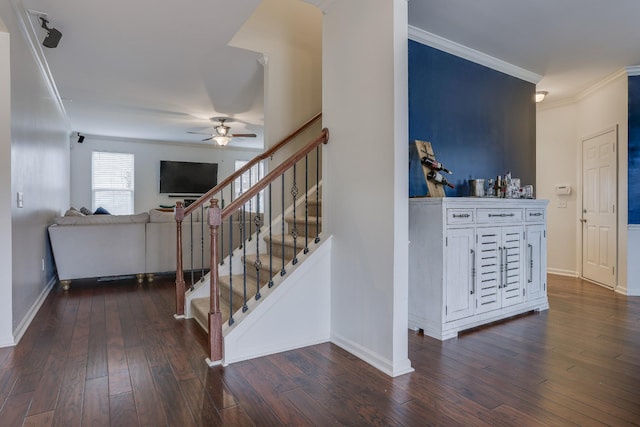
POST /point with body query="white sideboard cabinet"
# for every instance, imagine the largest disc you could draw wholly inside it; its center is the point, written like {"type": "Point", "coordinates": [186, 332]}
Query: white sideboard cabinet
{"type": "Point", "coordinates": [473, 261]}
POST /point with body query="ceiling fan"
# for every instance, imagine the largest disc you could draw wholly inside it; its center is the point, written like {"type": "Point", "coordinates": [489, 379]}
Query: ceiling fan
{"type": "Point", "coordinates": [221, 133]}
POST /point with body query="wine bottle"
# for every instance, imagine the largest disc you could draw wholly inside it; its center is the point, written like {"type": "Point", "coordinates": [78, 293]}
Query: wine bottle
{"type": "Point", "coordinates": [439, 179]}
{"type": "Point", "coordinates": [433, 165]}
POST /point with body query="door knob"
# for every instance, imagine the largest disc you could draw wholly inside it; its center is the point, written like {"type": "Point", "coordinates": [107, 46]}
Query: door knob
{"type": "Point", "coordinates": [583, 220]}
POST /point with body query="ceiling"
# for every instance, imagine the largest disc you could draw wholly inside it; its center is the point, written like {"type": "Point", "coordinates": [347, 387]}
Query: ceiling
{"type": "Point", "coordinates": [572, 44]}
{"type": "Point", "coordinates": [147, 70]}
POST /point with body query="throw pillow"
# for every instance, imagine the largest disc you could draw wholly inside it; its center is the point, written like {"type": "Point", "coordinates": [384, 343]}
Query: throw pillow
{"type": "Point", "coordinates": [73, 212]}
{"type": "Point", "coordinates": [101, 211]}
{"type": "Point", "coordinates": [85, 211]}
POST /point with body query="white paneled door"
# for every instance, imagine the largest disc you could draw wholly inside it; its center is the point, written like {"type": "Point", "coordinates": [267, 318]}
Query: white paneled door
{"type": "Point", "coordinates": [599, 190]}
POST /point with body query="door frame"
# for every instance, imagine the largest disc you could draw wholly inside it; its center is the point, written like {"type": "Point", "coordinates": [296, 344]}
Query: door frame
{"type": "Point", "coordinates": [579, 226]}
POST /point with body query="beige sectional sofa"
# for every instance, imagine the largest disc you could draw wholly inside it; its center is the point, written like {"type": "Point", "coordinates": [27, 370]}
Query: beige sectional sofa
{"type": "Point", "coordinates": [98, 246]}
{"type": "Point", "coordinates": [120, 245]}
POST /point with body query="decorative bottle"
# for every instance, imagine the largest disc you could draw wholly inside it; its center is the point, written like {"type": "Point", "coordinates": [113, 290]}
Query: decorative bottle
{"type": "Point", "coordinates": [439, 179]}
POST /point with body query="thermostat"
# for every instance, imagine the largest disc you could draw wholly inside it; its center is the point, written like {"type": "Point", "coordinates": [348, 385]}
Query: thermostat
{"type": "Point", "coordinates": [563, 190]}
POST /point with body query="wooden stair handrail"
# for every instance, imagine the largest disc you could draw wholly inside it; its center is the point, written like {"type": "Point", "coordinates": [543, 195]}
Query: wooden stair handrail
{"type": "Point", "coordinates": [270, 152]}
{"type": "Point", "coordinates": [323, 138]}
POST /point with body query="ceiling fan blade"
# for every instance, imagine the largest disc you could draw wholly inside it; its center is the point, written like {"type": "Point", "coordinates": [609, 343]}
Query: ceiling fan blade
{"type": "Point", "coordinates": [207, 139]}
{"type": "Point", "coordinates": [200, 133]}
{"type": "Point", "coordinates": [244, 135]}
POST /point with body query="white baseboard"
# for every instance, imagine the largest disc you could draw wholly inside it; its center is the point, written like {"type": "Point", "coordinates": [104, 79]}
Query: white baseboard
{"type": "Point", "coordinates": [371, 358]}
{"type": "Point", "coordinates": [627, 292]}
{"type": "Point", "coordinates": [26, 321]}
{"type": "Point", "coordinates": [560, 272]}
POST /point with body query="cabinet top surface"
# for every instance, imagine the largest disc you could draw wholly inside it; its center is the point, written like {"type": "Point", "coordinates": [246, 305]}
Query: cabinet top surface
{"type": "Point", "coordinates": [476, 202]}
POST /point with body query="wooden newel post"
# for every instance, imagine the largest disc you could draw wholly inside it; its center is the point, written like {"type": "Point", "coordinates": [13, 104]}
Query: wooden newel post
{"type": "Point", "coordinates": [215, 316]}
{"type": "Point", "coordinates": [179, 213]}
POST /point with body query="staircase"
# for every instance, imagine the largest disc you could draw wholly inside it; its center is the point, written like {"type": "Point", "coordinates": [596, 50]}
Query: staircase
{"type": "Point", "coordinates": [278, 250]}
{"type": "Point", "coordinates": [237, 282]}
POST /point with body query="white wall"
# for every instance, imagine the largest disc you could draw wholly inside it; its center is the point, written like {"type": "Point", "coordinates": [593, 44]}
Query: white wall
{"type": "Point", "coordinates": [557, 163]}
{"type": "Point", "coordinates": [289, 34]}
{"type": "Point", "coordinates": [6, 330]}
{"type": "Point", "coordinates": [560, 131]}
{"type": "Point", "coordinates": [39, 168]}
{"type": "Point", "coordinates": [365, 102]}
{"type": "Point", "coordinates": [147, 157]}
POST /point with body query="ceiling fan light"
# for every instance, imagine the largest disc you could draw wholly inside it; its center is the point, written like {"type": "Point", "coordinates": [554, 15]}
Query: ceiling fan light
{"type": "Point", "coordinates": [222, 140]}
{"type": "Point", "coordinates": [222, 130]}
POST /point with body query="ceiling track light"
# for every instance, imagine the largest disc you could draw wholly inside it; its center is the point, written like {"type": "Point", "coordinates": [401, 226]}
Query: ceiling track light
{"type": "Point", "coordinates": [53, 35]}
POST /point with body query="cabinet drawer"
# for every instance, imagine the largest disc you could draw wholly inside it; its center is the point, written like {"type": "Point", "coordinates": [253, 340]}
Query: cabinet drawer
{"type": "Point", "coordinates": [459, 216]}
{"type": "Point", "coordinates": [499, 215]}
{"type": "Point", "coordinates": [535, 215]}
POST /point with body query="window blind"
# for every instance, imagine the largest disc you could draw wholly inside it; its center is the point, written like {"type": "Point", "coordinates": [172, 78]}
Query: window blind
{"type": "Point", "coordinates": [112, 182]}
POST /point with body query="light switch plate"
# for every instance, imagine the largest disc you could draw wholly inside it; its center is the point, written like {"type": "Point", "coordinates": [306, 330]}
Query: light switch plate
{"type": "Point", "coordinates": [20, 199]}
{"type": "Point", "coordinates": [562, 203]}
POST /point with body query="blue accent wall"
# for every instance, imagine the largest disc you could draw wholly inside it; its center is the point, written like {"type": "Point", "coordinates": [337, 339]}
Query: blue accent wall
{"type": "Point", "coordinates": [480, 122]}
{"type": "Point", "coordinates": [634, 150]}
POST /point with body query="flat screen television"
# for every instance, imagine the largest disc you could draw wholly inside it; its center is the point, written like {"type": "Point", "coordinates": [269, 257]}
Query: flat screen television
{"type": "Point", "coordinates": [187, 177]}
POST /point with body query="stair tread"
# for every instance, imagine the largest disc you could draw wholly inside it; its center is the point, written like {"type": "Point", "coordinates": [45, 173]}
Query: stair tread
{"type": "Point", "coordinates": [200, 308]}
{"type": "Point", "coordinates": [288, 240]}
{"type": "Point", "coordinates": [236, 279]}
{"type": "Point", "coordinates": [301, 218]}
{"type": "Point", "coordinates": [264, 259]}
{"type": "Point", "coordinates": [238, 288]}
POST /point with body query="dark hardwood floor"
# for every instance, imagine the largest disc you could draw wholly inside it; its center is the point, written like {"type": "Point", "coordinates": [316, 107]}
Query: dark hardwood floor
{"type": "Point", "coordinates": [111, 353]}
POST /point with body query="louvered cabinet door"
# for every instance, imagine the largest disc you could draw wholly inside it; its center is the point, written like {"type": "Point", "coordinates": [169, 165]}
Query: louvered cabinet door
{"type": "Point", "coordinates": [489, 264]}
{"type": "Point", "coordinates": [512, 283]}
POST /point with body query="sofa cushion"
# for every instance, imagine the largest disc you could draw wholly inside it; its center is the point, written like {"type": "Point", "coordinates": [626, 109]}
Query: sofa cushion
{"type": "Point", "coordinates": [161, 215]}
{"type": "Point", "coordinates": [103, 219]}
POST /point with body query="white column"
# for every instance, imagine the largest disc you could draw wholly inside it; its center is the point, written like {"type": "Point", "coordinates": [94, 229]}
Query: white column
{"type": "Point", "coordinates": [365, 177]}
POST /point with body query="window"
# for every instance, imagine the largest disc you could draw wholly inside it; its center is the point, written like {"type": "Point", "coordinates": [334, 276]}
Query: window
{"type": "Point", "coordinates": [245, 181]}
{"type": "Point", "coordinates": [112, 182]}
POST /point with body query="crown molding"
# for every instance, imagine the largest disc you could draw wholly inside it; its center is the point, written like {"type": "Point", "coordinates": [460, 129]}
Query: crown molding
{"type": "Point", "coordinates": [600, 84]}
{"type": "Point", "coordinates": [590, 90]}
{"type": "Point", "coordinates": [31, 37]}
{"type": "Point", "coordinates": [543, 106]}
{"type": "Point", "coordinates": [633, 70]}
{"type": "Point", "coordinates": [448, 46]}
